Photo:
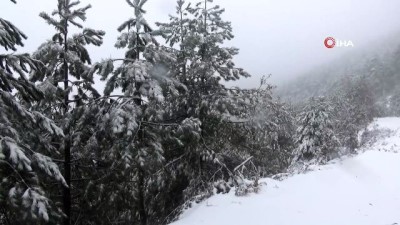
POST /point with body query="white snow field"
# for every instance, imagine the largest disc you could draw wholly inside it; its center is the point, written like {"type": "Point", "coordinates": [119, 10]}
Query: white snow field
{"type": "Point", "coordinates": [359, 190]}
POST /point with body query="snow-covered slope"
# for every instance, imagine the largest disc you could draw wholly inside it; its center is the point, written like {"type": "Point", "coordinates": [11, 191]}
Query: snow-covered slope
{"type": "Point", "coordinates": [361, 190]}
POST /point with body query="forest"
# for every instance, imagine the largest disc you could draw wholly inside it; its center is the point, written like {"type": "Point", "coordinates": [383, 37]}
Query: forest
{"type": "Point", "coordinates": [166, 131]}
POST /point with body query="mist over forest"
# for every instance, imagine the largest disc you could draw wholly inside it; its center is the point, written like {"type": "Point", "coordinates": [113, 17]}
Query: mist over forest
{"type": "Point", "coordinates": [377, 63]}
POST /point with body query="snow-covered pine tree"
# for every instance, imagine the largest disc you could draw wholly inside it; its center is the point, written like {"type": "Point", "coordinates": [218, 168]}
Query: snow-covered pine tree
{"type": "Point", "coordinates": [281, 140]}
{"type": "Point", "coordinates": [315, 135]}
{"type": "Point", "coordinates": [362, 99]}
{"type": "Point", "coordinates": [131, 127]}
{"type": "Point", "coordinates": [269, 134]}
{"type": "Point", "coordinates": [25, 137]}
{"type": "Point", "coordinates": [199, 32]}
{"type": "Point", "coordinates": [176, 32]}
{"type": "Point", "coordinates": [394, 103]}
{"type": "Point", "coordinates": [354, 109]}
{"type": "Point", "coordinates": [67, 72]}
{"type": "Point", "coordinates": [265, 132]}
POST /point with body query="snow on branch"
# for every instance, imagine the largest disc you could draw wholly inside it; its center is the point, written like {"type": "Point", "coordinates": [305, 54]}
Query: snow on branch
{"type": "Point", "coordinates": [10, 35]}
{"type": "Point", "coordinates": [49, 167]}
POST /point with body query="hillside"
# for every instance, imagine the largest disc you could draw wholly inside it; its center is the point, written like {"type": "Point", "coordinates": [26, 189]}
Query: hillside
{"type": "Point", "coordinates": [358, 190]}
{"type": "Point", "coordinates": [379, 65]}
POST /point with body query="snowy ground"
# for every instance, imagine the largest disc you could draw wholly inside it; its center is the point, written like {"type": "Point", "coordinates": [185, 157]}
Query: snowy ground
{"type": "Point", "coordinates": [362, 190]}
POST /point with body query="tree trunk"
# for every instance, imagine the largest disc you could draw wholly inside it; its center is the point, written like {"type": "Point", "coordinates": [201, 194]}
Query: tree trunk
{"type": "Point", "coordinates": [142, 209]}
{"type": "Point", "coordinates": [67, 146]}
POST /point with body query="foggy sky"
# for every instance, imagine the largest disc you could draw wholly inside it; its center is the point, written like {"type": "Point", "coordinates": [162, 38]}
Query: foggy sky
{"type": "Point", "coordinates": [283, 38]}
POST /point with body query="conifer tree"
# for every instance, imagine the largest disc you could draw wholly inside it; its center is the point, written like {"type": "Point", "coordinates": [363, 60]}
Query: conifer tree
{"type": "Point", "coordinates": [25, 137]}
{"type": "Point", "coordinates": [132, 126]}
{"type": "Point", "coordinates": [176, 31]}
{"type": "Point", "coordinates": [139, 78]}
{"type": "Point", "coordinates": [269, 135]}
{"type": "Point", "coordinates": [315, 135]}
{"type": "Point", "coordinates": [394, 103]}
{"type": "Point", "coordinates": [354, 110]}
{"type": "Point", "coordinates": [66, 60]}
{"type": "Point", "coordinates": [198, 32]}
{"type": "Point", "coordinates": [164, 130]}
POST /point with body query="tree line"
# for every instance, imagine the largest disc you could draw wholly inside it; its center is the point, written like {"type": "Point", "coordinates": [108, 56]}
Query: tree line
{"type": "Point", "coordinates": [165, 132]}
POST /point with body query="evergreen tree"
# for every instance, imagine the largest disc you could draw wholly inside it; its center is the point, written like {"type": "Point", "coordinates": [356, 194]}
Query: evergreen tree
{"type": "Point", "coordinates": [266, 133]}
{"type": "Point", "coordinates": [25, 137]}
{"type": "Point", "coordinates": [203, 64]}
{"type": "Point", "coordinates": [271, 137]}
{"type": "Point", "coordinates": [66, 60]}
{"type": "Point", "coordinates": [176, 32]}
{"type": "Point", "coordinates": [164, 133]}
{"type": "Point", "coordinates": [354, 110]}
{"type": "Point", "coordinates": [394, 104]}
{"type": "Point", "coordinates": [315, 136]}
{"type": "Point", "coordinates": [200, 32]}
{"type": "Point", "coordinates": [132, 128]}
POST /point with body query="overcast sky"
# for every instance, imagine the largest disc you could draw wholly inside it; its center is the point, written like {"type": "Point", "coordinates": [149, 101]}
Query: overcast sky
{"type": "Point", "coordinates": [279, 37]}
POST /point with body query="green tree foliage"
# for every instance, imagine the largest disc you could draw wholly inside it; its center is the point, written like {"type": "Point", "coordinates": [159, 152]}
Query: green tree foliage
{"type": "Point", "coordinates": [315, 135]}
{"type": "Point", "coordinates": [67, 72]}
{"type": "Point", "coordinates": [198, 33]}
{"type": "Point", "coordinates": [394, 104]}
{"type": "Point", "coordinates": [165, 132]}
{"type": "Point", "coordinates": [354, 108]}
{"type": "Point", "coordinates": [24, 135]}
{"type": "Point", "coordinates": [132, 127]}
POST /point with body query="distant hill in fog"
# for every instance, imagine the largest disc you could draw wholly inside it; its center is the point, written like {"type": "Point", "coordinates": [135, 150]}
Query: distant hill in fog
{"type": "Point", "coordinates": [380, 65]}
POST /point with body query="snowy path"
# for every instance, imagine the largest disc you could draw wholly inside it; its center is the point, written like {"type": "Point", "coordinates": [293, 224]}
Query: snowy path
{"type": "Point", "coordinates": [363, 190]}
